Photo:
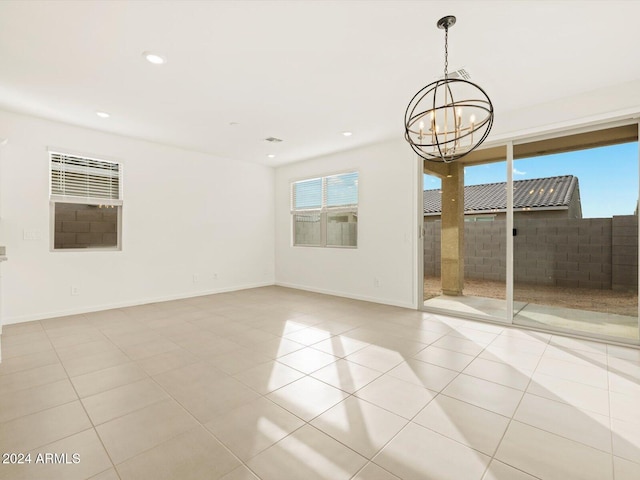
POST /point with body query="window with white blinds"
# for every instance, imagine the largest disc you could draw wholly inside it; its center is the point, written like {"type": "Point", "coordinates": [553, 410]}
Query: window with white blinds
{"type": "Point", "coordinates": [86, 203]}
{"type": "Point", "coordinates": [325, 211]}
{"type": "Point", "coordinates": [92, 180]}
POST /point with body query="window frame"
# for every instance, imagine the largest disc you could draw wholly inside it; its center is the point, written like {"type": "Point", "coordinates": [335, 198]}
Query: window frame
{"type": "Point", "coordinates": [105, 202]}
{"type": "Point", "coordinates": [324, 210]}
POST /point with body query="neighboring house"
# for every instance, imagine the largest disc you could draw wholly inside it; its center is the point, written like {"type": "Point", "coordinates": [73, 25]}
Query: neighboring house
{"type": "Point", "coordinates": [551, 197]}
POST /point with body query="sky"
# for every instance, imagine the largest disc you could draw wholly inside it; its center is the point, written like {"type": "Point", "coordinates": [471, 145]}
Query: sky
{"type": "Point", "coordinates": [608, 176]}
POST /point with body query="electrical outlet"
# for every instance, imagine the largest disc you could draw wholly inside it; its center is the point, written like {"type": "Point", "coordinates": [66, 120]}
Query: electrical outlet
{"type": "Point", "coordinates": [196, 278]}
{"type": "Point", "coordinates": [31, 235]}
{"type": "Point", "coordinates": [75, 290]}
{"type": "Point", "coordinates": [215, 276]}
{"type": "Point", "coordinates": [376, 282]}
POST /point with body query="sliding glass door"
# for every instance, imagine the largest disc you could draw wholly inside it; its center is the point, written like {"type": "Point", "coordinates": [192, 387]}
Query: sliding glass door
{"type": "Point", "coordinates": [465, 241]}
{"type": "Point", "coordinates": [575, 249]}
{"type": "Point", "coordinates": [548, 232]}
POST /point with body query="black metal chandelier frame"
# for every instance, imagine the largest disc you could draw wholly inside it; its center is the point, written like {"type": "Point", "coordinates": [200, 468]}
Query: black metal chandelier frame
{"type": "Point", "coordinates": [456, 139]}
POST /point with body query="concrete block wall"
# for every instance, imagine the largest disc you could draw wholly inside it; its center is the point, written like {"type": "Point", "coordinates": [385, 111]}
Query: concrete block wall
{"type": "Point", "coordinates": [342, 233]}
{"type": "Point", "coordinates": [308, 232]}
{"type": "Point", "coordinates": [83, 226]}
{"type": "Point", "coordinates": [624, 258]}
{"type": "Point", "coordinates": [338, 233]}
{"type": "Point", "coordinates": [432, 248]}
{"type": "Point", "coordinates": [563, 252]}
{"type": "Point", "coordinates": [597, 253]}
{"type": "Point", "coordinates": [485, 250]}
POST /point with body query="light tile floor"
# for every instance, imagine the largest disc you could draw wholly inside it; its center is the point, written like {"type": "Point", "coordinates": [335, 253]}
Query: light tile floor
{"type": "Point", "coordinates": [279, 384]}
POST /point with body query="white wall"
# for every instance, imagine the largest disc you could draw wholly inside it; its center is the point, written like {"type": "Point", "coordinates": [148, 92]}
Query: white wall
{"type": "Point", "coordinates": [387, 228]}
{"type": "Point", "coordinates": [184, 213]}
{"type": "Point", "coordinates": [595, 107]}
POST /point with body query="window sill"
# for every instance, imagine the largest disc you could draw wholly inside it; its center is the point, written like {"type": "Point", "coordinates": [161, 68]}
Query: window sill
{"type": "Point", "coordinates": [341, 247]}
{"type": "Point", "coordinates": [88, 249]}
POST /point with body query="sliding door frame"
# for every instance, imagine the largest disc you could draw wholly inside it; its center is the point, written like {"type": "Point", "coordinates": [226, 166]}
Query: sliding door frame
{"type": "Point", "coordinates": [555, 139]}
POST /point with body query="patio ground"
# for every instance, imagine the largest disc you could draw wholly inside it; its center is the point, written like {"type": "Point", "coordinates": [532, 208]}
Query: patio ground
{"type": "Point", "coordinates": [604, 301]}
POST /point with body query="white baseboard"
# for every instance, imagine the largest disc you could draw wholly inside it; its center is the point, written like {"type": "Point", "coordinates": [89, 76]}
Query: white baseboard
{"type": "Point", "coordinates": [132, 303]}
{"type": "Point", "coordinates": [365, 298]}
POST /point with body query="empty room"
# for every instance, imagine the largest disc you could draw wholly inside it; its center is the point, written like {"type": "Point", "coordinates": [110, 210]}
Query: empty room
{"type": "Point", "coordinates": [333, 240]}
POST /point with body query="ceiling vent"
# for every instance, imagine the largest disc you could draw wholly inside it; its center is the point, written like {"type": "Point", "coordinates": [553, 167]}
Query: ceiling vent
{"type": "Point", "coordinates": [273, 140]}
{"type": "Point", "coordinates": [460, 73]}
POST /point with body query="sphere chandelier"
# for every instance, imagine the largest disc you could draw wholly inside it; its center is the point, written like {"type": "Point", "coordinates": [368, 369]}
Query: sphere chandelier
{"type": "Point", "coordinates": [450, 117]}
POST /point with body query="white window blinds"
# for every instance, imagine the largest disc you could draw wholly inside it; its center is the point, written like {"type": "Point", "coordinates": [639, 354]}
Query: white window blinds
{"type": "Point", "coordinates": [341, 190]}
{"type": "Point", "coordinates": [334, 192]}
{"type": "Point", "coordinates": [83, 178]}
{"type": "Point", "coordinates": [307, 194]}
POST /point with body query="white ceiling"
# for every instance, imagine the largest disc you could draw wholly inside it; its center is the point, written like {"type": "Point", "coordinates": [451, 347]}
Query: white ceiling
{"type": "Point", "coordinates": [302, 71]}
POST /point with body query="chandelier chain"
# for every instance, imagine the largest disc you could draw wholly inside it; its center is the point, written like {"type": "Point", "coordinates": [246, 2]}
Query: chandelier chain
{"type": "Point", "coordinates": [446, 52]}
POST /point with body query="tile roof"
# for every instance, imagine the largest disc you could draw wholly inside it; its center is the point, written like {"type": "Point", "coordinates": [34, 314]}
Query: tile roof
{"type": "Point", "coordinates": [492, 197]}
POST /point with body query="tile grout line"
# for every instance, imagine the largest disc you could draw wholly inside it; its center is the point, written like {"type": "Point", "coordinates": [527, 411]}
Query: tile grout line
{"type": "Point", "coordinates": [200, 424]}
{"type": "Point", "coordinates": [411, 420]}
{"type": "Point", "coordinates": [305, 422]}
{"type": "Point", "coordinates": [511, 417]}
{"type": "Point", "coordinates": [308, 423]}
{"type": "Point", "coordinates": [386, 373]}
{"type": "Point", "coordinates": [93, 427]}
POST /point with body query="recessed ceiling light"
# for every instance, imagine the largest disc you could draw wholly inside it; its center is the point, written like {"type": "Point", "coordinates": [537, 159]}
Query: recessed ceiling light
{"type": "Point", "coordinates": [234, 124]}
{"type": "Point", "coordinates": [271, 155]}
{"type": "Point", "coordinates": [347, 134]}
{"type": "Point", "coordinates": [154, 58]}
{"type": "Point", "coordinates": [103, 114]}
